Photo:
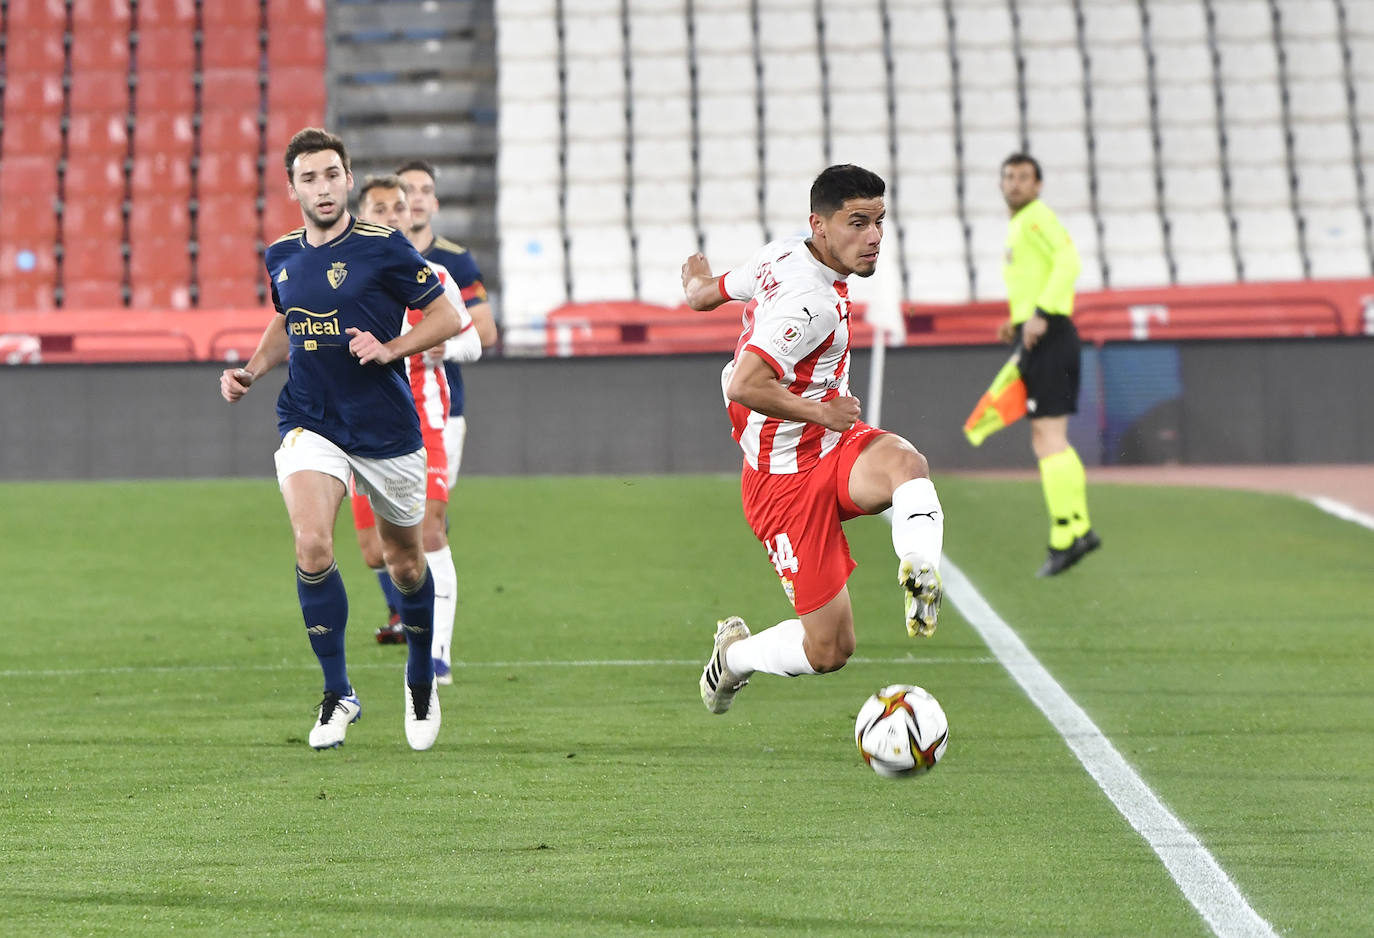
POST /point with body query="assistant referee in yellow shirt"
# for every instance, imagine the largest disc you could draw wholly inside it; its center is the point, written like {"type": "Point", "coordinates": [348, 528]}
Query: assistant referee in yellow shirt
{"type": "Point", "coordinates": [1040, 269]}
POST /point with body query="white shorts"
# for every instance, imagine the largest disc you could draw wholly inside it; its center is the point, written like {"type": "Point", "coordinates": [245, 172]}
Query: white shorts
{"type": "Point", "coordinates": [455, 432]}
{"type": "Point", "coordinates": [396, 486]}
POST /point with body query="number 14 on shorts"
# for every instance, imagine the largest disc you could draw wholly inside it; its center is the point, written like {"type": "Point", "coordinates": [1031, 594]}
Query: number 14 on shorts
{"type": "Point", "coordinates": [780, 552]}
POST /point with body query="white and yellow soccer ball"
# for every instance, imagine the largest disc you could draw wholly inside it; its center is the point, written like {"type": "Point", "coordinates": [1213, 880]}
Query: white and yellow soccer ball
{"type": "Point", "coordinates": [901, 730]}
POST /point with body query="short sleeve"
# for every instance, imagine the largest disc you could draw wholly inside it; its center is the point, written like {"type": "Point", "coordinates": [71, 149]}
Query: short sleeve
{"type": "Point", "coordinates": [790, 328]}
{"type": "Point", "coordinates": [406, 275]}
{"type": "Point", "coordinates": [738, 283]}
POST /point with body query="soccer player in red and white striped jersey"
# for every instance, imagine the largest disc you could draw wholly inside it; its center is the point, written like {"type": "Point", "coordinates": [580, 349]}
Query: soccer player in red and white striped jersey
{"type": "Point", "coordinates": [810, 463]}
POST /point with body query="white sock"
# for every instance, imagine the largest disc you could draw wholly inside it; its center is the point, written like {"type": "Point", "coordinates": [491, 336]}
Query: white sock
{"type": "Point", "coordinates": [445, 601]}
{"type": "Point", "coordinates": [918, 523]}
{"type": "Point", "coordinates": [773, 651]}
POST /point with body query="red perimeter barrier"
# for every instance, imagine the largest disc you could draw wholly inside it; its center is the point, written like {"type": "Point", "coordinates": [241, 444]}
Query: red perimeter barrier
{"type": "Point", "coordinates": [1233, 311]}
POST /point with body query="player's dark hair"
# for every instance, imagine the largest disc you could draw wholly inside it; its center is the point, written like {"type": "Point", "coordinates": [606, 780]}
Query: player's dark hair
{"type": "Point", "coordinates": [312, 140]}
{"type": "Point", "coordinates": [384, 181]}
{"type": "Point", "coordinates": [424, 166]}
{"type": "Point", "coordinates": [838, 184]}
{"type": "Point", "coordinates": [1019, 159]}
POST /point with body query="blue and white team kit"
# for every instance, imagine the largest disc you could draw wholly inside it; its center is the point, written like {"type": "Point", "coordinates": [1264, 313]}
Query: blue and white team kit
{"type": "Point", "coordinates": [336, 415]}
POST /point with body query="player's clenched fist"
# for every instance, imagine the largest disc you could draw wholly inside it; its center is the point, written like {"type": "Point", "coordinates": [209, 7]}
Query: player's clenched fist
{"type": "Point", "coordinates": [234, 383]}
{"type": "Point", "coordinates": [840, 413]}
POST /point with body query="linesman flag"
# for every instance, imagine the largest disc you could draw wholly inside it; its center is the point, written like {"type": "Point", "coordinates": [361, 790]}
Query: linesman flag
{"type": "Point", "coordinates": [1002, 404]}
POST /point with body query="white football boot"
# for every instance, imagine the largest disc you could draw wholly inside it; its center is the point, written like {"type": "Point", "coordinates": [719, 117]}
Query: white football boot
{"type": "Point", "coordinates": [718, 683]}
{"type": "Point", "coordinates": [422, 716]}
{"type": "Point", "coordinates": [335, 715]}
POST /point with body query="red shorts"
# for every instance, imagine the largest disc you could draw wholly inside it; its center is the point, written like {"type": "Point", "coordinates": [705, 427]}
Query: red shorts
{"type": "Point", "coordinates": [797, 517]}
{"type": "Point", "coordinates": [436, 480]}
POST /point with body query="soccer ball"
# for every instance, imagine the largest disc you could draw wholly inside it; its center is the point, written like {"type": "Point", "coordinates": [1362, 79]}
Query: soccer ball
{"type": "Point", "coordinates": [901, 730]}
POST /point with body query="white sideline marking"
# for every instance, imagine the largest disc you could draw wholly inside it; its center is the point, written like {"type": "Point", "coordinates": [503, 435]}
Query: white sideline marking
{"type": "Point", "coordinates": [457, 665]}
{"type": "Point", "coordinates": [1342, 510]}
{"type": "Point", "coordinates": [1197, 873]}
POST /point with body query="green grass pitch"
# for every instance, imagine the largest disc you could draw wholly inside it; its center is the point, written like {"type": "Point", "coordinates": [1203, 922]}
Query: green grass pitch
{"type": "Point", "coordinates": [156, 689]}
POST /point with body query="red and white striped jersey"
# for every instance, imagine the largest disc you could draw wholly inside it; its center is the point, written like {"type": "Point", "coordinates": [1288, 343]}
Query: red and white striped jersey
{"type": "Point", "coordinates": [428, 382]}
{"type": "Point", "coordinates": [796, 319]}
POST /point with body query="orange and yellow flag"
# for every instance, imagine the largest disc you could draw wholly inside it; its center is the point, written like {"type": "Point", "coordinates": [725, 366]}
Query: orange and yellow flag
{"type": "Point", "coordinates": [1001, 405]}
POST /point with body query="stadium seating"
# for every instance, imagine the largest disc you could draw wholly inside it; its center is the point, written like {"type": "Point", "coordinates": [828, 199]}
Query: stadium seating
{"type": "Point", "coordinates": [118, 119]}
{"type": "Point", "coordinates": [1178, 148]}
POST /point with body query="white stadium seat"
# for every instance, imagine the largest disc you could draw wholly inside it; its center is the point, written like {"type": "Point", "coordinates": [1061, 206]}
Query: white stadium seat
{"type": "Point", "coordinates": [1242, 19]}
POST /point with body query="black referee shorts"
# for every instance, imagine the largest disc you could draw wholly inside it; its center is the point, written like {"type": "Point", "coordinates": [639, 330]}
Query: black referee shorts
{"type": "Point", "coordinates": [1050, 370]}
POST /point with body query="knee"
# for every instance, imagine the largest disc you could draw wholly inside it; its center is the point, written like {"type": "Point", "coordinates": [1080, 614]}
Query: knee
{"type": "Point", "coordinates": [829, 655]}
{"type": "Point", "coordinates": [314, 550]}
{"type": "Point", "coordinates": [908, 463]}
{"type": "Point", "coordinates": [407, 569]}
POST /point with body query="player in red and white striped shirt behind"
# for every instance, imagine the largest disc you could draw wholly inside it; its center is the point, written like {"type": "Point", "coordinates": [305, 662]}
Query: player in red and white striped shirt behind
{"type": "Point", "coordinates": [810, 463]}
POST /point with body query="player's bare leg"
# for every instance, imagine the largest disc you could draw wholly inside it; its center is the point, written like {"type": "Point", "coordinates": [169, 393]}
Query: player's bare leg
{"type": "Point", "coordinates": [891, 473]}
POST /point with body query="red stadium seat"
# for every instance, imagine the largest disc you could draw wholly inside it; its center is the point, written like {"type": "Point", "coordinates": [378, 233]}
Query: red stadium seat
{"type": "Point", "coordinates": [228, 132]}
{"type": "Point", "coordinates": [100, 92]}
{"type": "Point", "coordinates": [231, 218]}
{"type": "Point", "coordinates": [171, 47]}
{"type": "Point", "coordinates": [219, 16]}
{"type": "Point", "coordinates": [33, 93]}
{"type": "Point", "coordinates": [28, 221]}
{"type": "Point", "coordinates": [160, 294]}
{"type": "Point", "coordinates": [298, 89]}
{"type": "Point", "coordinates": [98, 134]}
{"type": "Point", "coordinates": [91, 258]}
{"type": "Point", "coordinates": [230, 89]}
{"type": "Point", "coordinates": [295, 12]}
{"type": "Point", "coordinates": [230, 46]}
{"type": "Point", "coordinates": [166, 13]}
{"type": "Point", "coordinates": [32, 135]}
{"type": "Point", "coordinates": [34, 52]}
{"type": "Point", "coordinates": [280, 214]}
{"type": "Point", "coordinates": [232, 174]}
{"type": "Point", "coordinates": [26, 294]}
{"type": "Point", "coordinates": [29, 176]}
{"type": "Point", "coordinates": [110, 14]}
{"type": "Point", "coordinates": [96, 47]}
{"type": "Point", "coordinates": [164, 90]}
{"type": "Point", "coordinates": [296, 45]}
{"type": "Point", "coordinates": [157, 216]}
{"type": "Point", "coordinates": [37, 15]}
{"type": "Point", "coordinates": [92, 294]}
{"type": "Point", "coordinates": [93, 219]}
{"type": "Point", "coordinates": [27, 262]}
{"type": "Point", "coordinates": [160, 261]}
{"type": "Point", "coordinates": [94, 175]}
{"type": "Point", "coordinates": [164, 132]}
{"type": "Point", "coordinates": [227, 256]}
{"type": "Point", "coordinates": [160, 174]}
{"type": "Point", "coordinates": [233, 293]}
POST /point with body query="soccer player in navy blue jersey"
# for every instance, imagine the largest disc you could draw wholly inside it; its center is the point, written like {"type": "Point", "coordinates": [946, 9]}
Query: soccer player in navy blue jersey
{"type": "Point", "coordinates": [341, 287]}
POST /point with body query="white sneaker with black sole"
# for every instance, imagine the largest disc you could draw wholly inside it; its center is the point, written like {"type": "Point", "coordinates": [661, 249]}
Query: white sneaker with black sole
{"type": "Point", "coordinates": [337, 712]}
{"type": "Point", "coordinates": [718, 683]}
{"type": "Point", "coordinates": [422, 715]}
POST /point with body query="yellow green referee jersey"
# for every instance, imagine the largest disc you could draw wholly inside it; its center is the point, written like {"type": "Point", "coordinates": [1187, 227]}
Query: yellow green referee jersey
{"type": "Point", "coordinates": [1041, 263]}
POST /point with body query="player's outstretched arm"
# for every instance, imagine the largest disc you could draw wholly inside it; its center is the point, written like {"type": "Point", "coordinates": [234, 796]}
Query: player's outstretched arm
{"type": "Point", "coordinates": [755, 385]}
{"type": "Point", "coordinates": [701, 289]}
{"type": "Point", "coordinates": [272, 350]}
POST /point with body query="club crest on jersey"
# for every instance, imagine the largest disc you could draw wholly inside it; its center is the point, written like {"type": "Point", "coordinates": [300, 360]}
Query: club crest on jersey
{"type": "Point", "coordinates": [787, 335]}
{"type": "Point", "coordinates": [336, 273]}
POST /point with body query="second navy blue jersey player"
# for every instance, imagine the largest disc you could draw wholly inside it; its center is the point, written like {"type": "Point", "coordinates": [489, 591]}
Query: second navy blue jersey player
{"type": "Point", "coordinates": [365, 278]}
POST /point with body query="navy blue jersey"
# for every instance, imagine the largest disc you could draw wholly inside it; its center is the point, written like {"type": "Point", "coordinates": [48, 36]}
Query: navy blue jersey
{"type": "Point", "coordinates": [365, 278]}
{"type": "Point", "coordinates": [468, 279]}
